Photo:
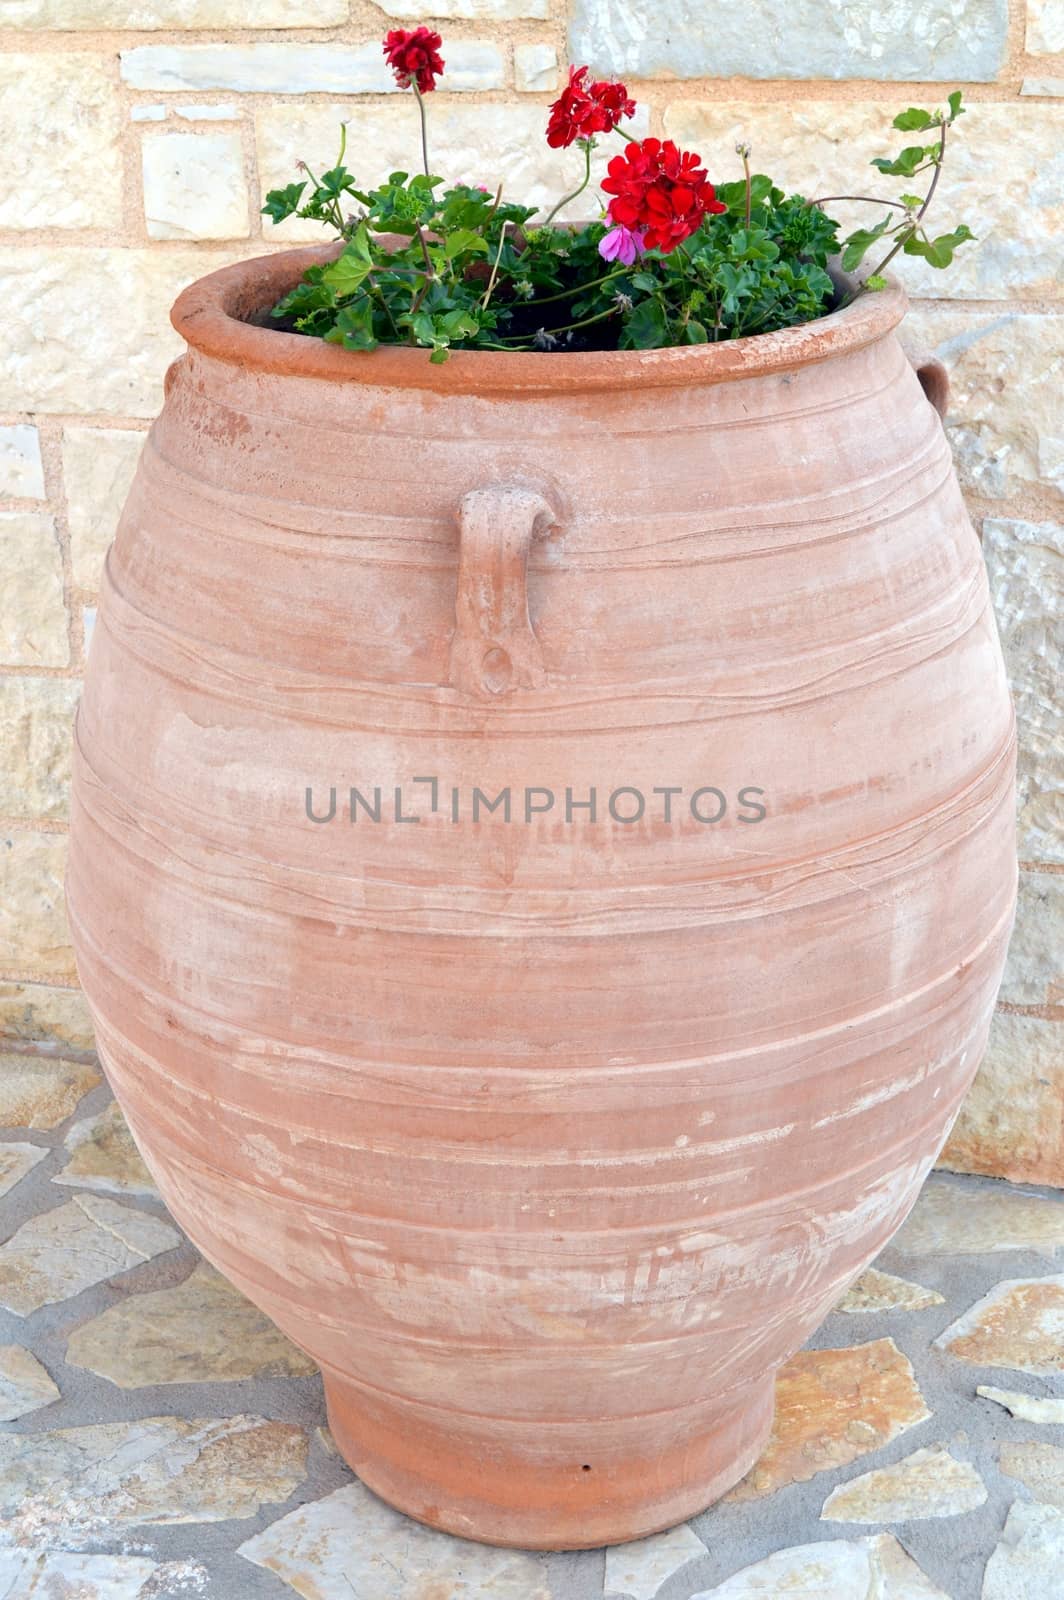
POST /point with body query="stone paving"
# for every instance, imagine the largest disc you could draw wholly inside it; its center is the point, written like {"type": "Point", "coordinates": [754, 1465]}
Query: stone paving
{"type": "Point", "coordinates": [161, 1438]}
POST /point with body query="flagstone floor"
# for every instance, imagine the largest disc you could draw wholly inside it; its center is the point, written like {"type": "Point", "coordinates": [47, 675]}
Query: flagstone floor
{"type": "Point", "coordinates": [160, 1438]}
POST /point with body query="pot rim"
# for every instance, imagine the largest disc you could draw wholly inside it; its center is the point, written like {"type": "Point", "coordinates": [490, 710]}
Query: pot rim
{"type": "Point", "coordinates": [215, 316]}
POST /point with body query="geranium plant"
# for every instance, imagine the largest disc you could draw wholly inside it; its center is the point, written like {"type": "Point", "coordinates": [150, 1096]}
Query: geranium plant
{"type": "Point", "coordinates": [671, 258]}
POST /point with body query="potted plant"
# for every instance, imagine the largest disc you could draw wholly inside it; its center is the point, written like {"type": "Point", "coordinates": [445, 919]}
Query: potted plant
{"type": "Point", "coordinates": [542, 844]}
{"type": "Point", "coordinates": [673, 260]}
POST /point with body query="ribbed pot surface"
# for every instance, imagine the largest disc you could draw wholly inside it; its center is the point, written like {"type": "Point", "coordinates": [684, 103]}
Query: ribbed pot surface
{"type": "Point", "coordinates": [549, 1135]}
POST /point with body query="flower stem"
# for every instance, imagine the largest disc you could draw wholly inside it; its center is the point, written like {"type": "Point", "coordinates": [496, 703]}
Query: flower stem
{"type": "Point", "coordinates": [429, 278]}
{"type": "Point", "coordinates": [386, 308]}
{"type": "Point", "coordinates": [584, 288]}
{"type": "Point", "coordinates": [495, 266]}
{"type": "Point", "coordinates": [873, 200]}
{"type": "Point", "coordinates": [565, 199]}
{"type": "Point", "coordinates": [334, 209]}
{"type": "Point", "coordinates": [424, 127]}
{"type": "Point", "coordinates": [938, 170]}
{"type": "Point", "coordinates": [744, 151]}
{"type": "Point", "coordinates": [906, 234]}
{"type": "Point", "coordinates": [600, 316]}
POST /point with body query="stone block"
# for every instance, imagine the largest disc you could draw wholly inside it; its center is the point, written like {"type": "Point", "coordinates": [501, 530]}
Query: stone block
{"type": "Point", "coordinates": [536, 68]}
{"type": "Point", "coordinates": [88, 328]}
{"type": "Point", "coordinates": [920, 40]}
{"type": "Point", "coordinates": [1012, 1123]}
{"type": "Point", "coordinates": [21, 471]}
{"type": "Point", "coordinates": [1006, 378]}
{"type": "Point", "coordinates": [98, 468]}
{"type": "Point", "coordinates": [299, 68]}
{"type": "Point", "coordinates": [36, 736]}
{"type": "Point", "coordinates": [194, 186]}
{"type": "Point", "coordinates": [60, 123]}
{"type": "Point", "coordinates": [33, 928]}
{"type": "Point", "coordinates": [1025, 566]}
{"type": "Point", "coordinates": [33, 620]}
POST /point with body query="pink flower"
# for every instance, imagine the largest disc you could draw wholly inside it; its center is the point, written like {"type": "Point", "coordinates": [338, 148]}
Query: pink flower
{"type": "Point", "coordinates": [621, 244]}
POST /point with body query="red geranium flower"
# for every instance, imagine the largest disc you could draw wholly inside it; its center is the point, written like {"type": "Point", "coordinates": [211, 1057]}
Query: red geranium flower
{"type": "Point", "coordinates": [414, 56]}
{"type": "Point", "coordinates": [661, 190]}
{"type": "Point", "coordinates": [584, 109]}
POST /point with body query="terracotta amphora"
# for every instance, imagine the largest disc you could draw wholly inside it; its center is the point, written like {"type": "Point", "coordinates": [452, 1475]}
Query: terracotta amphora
{"type": "Point", "coordinates": [551, 1089]}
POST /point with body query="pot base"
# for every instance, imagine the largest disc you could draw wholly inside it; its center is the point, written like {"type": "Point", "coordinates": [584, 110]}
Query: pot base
{"type": "Point", "coordinates": [548, 1485]}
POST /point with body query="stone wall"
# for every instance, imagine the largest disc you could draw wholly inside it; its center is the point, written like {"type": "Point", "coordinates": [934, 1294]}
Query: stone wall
{"type": "Point", "coordinates": [138, 137]}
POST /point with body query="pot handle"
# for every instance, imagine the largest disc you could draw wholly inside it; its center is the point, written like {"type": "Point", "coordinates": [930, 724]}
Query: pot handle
{"type": "Point", "coordinates": [494, 647]}
{"type": "Point", "coordinates": [934, 381]}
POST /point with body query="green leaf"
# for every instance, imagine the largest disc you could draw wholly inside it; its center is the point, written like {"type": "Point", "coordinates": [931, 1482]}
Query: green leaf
{"type": "Point", "coordinates": [737, 283]}
{"type": "Point", "coordinates": [913, 156]}
{"type": "Point", "coordinates": [645, 282]}
{"type": "Point", "coordinates": [421, 323]}
{"type": "Point", "coordinates": [438, 329]}
{"type": "Point", "coordinates": [458, 324]}
{"type": "Point", "coordinates": [875, 281]}
{"type": "Point", "coordinates": [361, 244]}
{"type": "Point", "coordinates": [354, 326]}
{"type": "Point", "coordinates": [912, 120]}
{"type": "Point", "coordinates": [913, 201]}
{"type": "Point", "coordinates": [694, 332]}
{"type": "Point", "coordinates": [463, 242]}
{"type": "Point", "coordinates": [282, 203]}
{"type": "Point", "coordinates": [857, 246]}
{"type": "Point", "coordinates": [645, 328]}
{"type": "Point", "coordinates": [938, 252]}
{"type": "Point", "coordinates": [955, 108]}
{"type": "Point", "coordinates": [753, 244]}
{"type": "Point", "coordinates": [308, 296]}
{"type": "Point", "coordinates": [348, 272]}
{"type": "Point", "coordinates": [397, 178]}
{"type": "Point", "coordinates": [334, 183]}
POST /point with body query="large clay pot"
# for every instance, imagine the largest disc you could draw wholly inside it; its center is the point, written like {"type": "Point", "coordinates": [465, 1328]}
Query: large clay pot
{"type": "Point", "coordinates": [549, 1139]}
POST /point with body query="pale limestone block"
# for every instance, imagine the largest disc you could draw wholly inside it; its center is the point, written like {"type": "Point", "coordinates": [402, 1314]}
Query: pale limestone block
{"type": "Point", "coordinates": [1045, 27]}
{"type": "Point", "coordinates": [1012, 1123]}
{"type": "Point", "coordinates": [40, 1091]}
{"type": "Point", "coordinates": [1006, 378]}
{"type": "Point", "coordinates": [33, 621]}
{"type": "Point", "coordinates": [41, 1011]}
{"type": "Point", "coordinates": [98, 468]}
{"type": "Point", "coordinates": [350, 1540]}
{"type": "Point", "coordinates": [144, 15]}
{"type": "Point", "coordinates": [36, 736]}
{"type": "Point", "coordinates": [536, 68]}
{"type": "Point", "coordinates": [112, 361]}
{"type": "Point", "coordinates": [194, 186]}
{"type": "Point", "coordinates": [33, 929]}
{"type": "Point", "coordinates": [21, 471]}
{"type": "Point", "coordinates": [293, 69]}
{"type": "Point", "coordinates": [60, 123]}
